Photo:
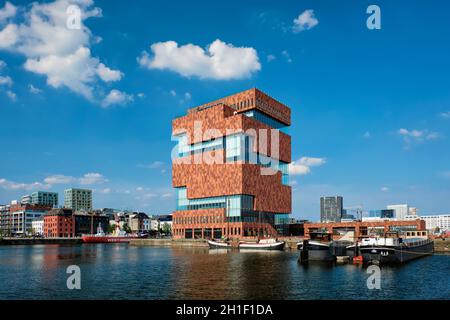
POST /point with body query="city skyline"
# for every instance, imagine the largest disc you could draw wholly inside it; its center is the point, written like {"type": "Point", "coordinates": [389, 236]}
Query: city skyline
{"type": "Point", "coordinates": [377, 137]}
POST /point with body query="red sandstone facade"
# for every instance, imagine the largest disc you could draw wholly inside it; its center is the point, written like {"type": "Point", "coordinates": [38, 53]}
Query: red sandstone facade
{"type": "Point", "coordinates": [221, 178]}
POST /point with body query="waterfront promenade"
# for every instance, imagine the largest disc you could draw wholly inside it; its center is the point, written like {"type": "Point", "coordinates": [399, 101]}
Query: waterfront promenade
{"type": "Point", "coordinates": [440, 246]}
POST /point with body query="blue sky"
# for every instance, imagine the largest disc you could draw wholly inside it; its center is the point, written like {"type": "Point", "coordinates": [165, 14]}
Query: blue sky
{"type": "Point", "coordinates": [370, 108]}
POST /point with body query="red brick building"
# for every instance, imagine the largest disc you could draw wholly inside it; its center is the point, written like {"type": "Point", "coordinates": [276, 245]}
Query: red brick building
{"type": "Point", "coordinates": [230, 168]}
{"type": "Point", "coordinates": [59, 223]}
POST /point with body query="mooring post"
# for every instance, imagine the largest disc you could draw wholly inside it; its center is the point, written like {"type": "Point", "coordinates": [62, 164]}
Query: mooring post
{"type": "Point", "coordinates": [304, 252]}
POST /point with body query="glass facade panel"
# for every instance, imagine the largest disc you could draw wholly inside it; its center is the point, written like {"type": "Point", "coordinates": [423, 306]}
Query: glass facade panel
{"type": "Point", "coordinates": [238, 147]}
{"type": "Point", "coordinates": [261, 117]}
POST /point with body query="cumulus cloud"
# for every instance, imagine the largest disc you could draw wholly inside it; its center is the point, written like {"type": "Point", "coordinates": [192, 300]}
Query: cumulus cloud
{"type": "Point", "coordinates": [304, 164]}
{"type": "Point", "coordinates": [270, 57]}
{"type": "Point", "coordinates": [86, 179]}
{"type": "Point", "coordinates": [33, 89]}
{"type": "Point", "coordinates": [59, 53]}
{"type": "Point", "coordinates": [220, 60]}
{"type": "Point", "coordinates": [11, 95]}
{"type": "Point", "coordinates": [2, 64]}
{"type": "Point", "coordinates": [153, 165]}
{"type": "Point", "coordinates": [8, 11]}
{"type": "Point", "coordinates": [305, 21]}
{"type": "Point", "coordinates": [384, 189]}
{"type": "Point", "coordinates": [107, 75]}
{"type": "Point", "coordinates": [116, 97]}
{"type": "Point", "coordinates": [445, 115]}
{"type": "Point", "coordinates": [287, 56]}
{"type": "Point", "coordinates": [92, 178]}
{"type": "Point", "coordinates": [59, 179]}
{"type": "Point", "coordinates": [11, 185]}
{"type": "Point", "coordinates": [5, 81]}
{"type": "Point", "coordinates": [410, 136]}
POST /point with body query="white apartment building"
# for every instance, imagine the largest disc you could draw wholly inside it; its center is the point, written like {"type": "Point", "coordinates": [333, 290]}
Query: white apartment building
{"type": "Point", "coordinates": [37, 225]}
{"type": "Point", "coordinates": [441, 221]}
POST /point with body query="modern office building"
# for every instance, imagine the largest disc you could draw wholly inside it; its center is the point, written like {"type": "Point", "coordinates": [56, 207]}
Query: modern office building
{"type": "Point", "coordinates": [383, 214]}
{"type": "Point", "coordinates": [230, 168]}
{"type": "Point", "coordinates": [45, 198]}
{"type": "Point", "coordinates": [401, 210]}
{"type": "Point", "coordinates": [5, 220]}
{"type": "Point", "coordinates": [26, 199]}
{"type": "Point", "coordinates": [331, 209]}
{"type": "Point", "coordinates": [78, 199]}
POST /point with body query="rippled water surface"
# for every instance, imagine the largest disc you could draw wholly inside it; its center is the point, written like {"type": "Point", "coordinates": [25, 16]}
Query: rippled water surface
{"type": "Point", "coordinates": [120, 271]}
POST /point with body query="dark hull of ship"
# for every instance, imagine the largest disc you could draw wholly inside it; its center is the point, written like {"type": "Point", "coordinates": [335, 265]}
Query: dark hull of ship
{"type": "Point", "coordinates": [318, 252]}
{"type": "Point", "coordinates": [396, 254]}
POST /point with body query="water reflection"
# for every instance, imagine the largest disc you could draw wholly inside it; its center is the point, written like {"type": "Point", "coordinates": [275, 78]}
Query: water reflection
{"type": "Point", "coordinates": [120, 271]}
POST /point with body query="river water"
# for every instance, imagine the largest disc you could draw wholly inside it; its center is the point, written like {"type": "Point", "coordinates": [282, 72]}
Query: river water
{"type": "Point", "coordinates": [120, 271]}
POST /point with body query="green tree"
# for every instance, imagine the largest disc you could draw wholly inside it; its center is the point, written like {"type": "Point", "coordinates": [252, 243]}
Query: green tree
{"type": "Point", "coordinates": [126, 228]}
{"type": "Point", "coordinates": [111, 228]}
{"type": "Point", "coordinates": [166, 229]}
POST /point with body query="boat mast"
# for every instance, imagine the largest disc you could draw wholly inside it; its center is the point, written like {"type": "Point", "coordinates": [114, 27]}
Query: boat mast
{"type": "Point", "coordinates": [92, 224]}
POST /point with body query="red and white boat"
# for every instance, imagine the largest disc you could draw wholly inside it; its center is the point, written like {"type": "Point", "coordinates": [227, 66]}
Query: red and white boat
{"type": "Point", "coordinates": [101, 237]}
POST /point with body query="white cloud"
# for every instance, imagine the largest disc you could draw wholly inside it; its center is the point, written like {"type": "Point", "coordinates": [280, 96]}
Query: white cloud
{"type": "Point", "coordinates": [167, 195]}
{"type": "Point", "coordinates": [270, 57]}
{"type": "Point", "coordinates": [117, 97]}
{"type": "Point", "coordinates": [287, 56]}
{"type": "Point", "coordinates": [106, 191]}
{"type": "Point", "coordinates": [8, 36]}
{"type": "Point", "coordinates": [51, 49]}
{"type": "Point", "coordinates": [107, 75]}
{"type": "Point", "coordinates": [305, 21]}
{"type": "Point", "coordinates": [153, 165]}
{"type": "Point", "coordinates": [417, 135]}
{"type": "Point", "coordinates": [11, 185]}
{"type": "Point", "coordinates": [92, 178]}
{"type": "Point", "coordinates": [220, 61]}
{"type": "Point", "coordinates": [384, 189]}
{"type": "Point", "coordinates": [33, 89]}
{"type": "Point", "coordinates": [11, 95]}
{"type": "Point", "coordinates": [5, 81]}
{"type": "Point", "coordinates": [8, 11]}
{"type": "Point", "coordinates": [367, 135]}
{"type": "Point", "coordinates": [304, 164]}
{"type": "Point", "coordinates": [445, 115]}
{"type": "Point", "coordinates": [187, 96]}
{"type": "Point", "coordinates": [59, 179]}
{"type": "Point", "coordinates": [86, 179]}
{"type": "Point", "coordinates": [173, 93]}
{"type": "Point", "coordinates": [2, 64]}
